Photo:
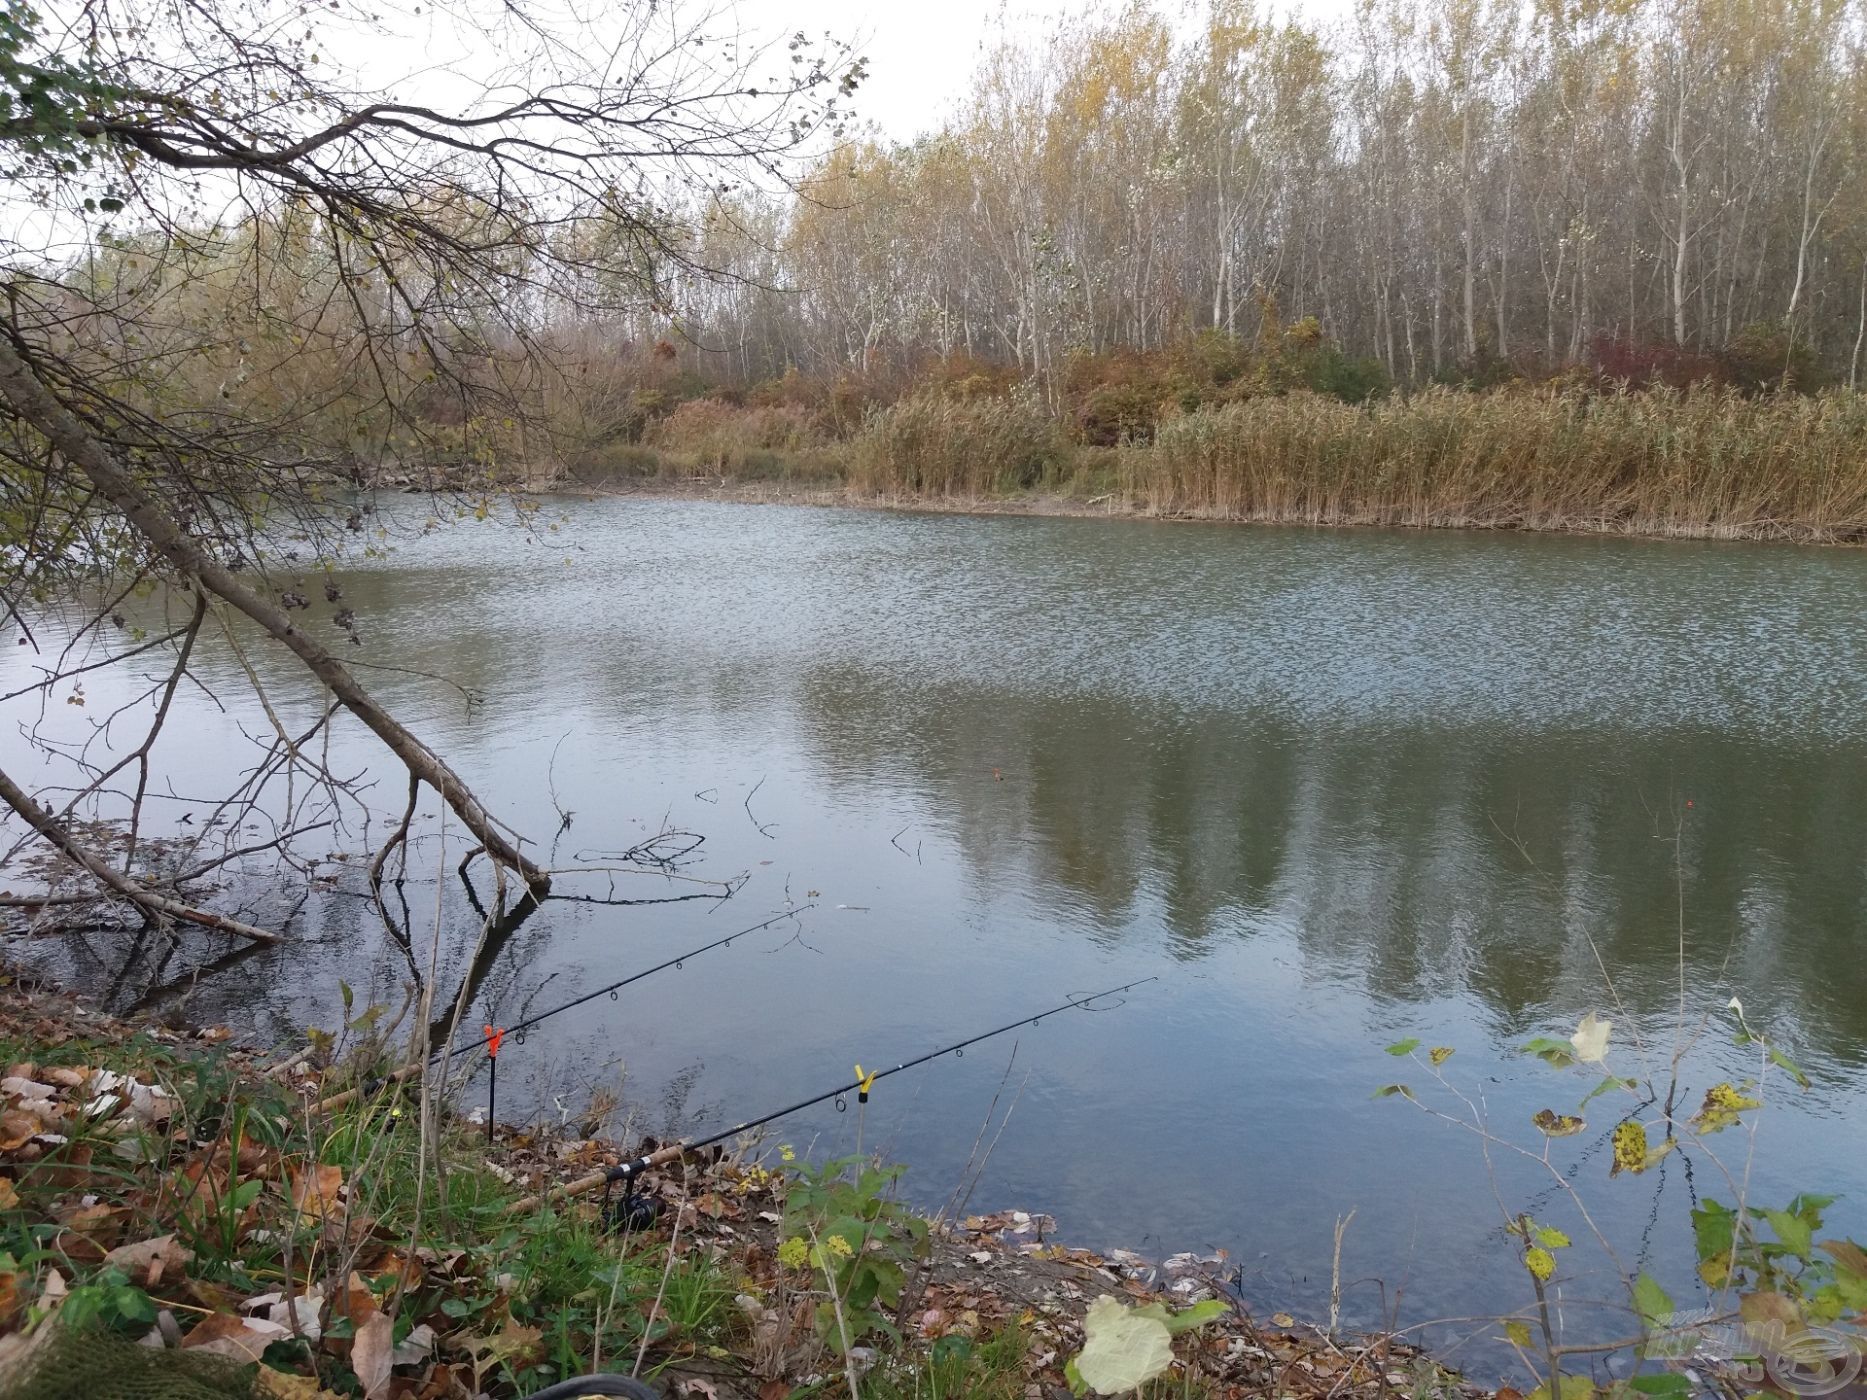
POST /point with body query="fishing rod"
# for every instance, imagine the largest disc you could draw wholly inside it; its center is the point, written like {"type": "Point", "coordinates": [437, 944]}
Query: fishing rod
{"type": "Point", "coordinates": [860, 1086]}
{"type": "Point", "coordinates": [494, 1036]}
{"type": "Point", "coordinates": [518, 1029]}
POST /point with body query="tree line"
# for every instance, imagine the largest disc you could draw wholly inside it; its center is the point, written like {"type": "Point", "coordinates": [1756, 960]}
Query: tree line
{"type": "Point", "coordinates": [1454, 188]}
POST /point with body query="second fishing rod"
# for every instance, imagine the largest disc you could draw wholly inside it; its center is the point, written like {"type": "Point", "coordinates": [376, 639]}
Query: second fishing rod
{"type": "Point", "coordinates": [860, 1086]}
{"type": "Point", "coordinates": [495, 1036]}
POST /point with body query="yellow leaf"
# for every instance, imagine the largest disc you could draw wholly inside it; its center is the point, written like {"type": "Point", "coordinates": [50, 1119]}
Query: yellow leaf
{"type": "Point", "coordinates": [1518, 1332]}
{"type": "Point", "coordinates": [1540, 1262]}
{"type": "Point", "coordinates": [1723, 1102]}
{"type": "Point", "coordinates": [281, 1385]}
{"type": "Point", "coordinates": [1553, 1124]}
{"type": "Point", "coordinates": [1630, 1149]}
{"type": "Point", "coordinates": [1439, 1054]}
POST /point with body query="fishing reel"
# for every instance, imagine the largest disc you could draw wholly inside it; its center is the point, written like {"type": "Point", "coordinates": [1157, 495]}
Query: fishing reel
{"type": "Point", "coordinates": [631, 1211]}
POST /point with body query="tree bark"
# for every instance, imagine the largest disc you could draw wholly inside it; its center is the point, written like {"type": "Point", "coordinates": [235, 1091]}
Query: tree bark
{"type": "Point", "coordinates": [37, 406]}
{"type": "Point", "coordinates": [160, 905]}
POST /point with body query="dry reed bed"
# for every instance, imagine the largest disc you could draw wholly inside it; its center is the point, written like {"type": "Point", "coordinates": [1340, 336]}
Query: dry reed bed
{"type": "Point", "coordinates": [1703, 462]}
{"type": "Point", "coordinates": [1709, 463]}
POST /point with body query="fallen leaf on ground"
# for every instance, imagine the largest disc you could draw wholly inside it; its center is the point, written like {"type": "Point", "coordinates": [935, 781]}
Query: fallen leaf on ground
{"type": "Point", "coordinates": [316, 1193]}
{"type": "Point", "coordinates": [415, 1348]}
{"type": "Point", "coordinates": [16, 1129]}
{"type": "Point", "coordinates": [147, 1261]}
{"type": "Point", "coordinates": [372, 1354]}
{"type": "Point", "coordinates": [242, 1339]}
{"type": "Point", "coordinates": [282, 1385]}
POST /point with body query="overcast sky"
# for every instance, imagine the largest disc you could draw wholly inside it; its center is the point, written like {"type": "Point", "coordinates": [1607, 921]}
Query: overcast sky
{"type": "Point", "coordinates": [921, 52]}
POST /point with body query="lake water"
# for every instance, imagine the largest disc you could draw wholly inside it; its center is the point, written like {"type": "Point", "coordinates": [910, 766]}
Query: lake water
{"type": "Point", "coordinates": [1333, 789]}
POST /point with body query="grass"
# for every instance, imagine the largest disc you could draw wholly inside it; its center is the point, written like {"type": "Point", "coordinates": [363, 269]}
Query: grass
{"type": "Point", "coordinates": [264, 1196]}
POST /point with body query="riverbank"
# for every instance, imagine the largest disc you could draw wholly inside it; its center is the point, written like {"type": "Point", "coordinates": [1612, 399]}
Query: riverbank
{"type": "Point", "coordinates": [193, 1207]}
{"type": "Point", "coordinates": [683, 484]}
{"type": "Point", "coordinates": [1705, 464]}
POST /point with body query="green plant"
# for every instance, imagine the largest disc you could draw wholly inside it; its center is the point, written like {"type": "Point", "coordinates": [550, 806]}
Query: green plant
{"type": "Point", "coordinates": [108, 1300]}
{"type": "Point", "coordinates": [840, 1221]}
{"type": "Point", "coordinates": [1771, 1295]}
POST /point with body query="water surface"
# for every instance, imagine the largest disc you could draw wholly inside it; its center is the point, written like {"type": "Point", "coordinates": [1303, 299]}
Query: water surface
{"type": "Point", "coordinates": [1333, 788]}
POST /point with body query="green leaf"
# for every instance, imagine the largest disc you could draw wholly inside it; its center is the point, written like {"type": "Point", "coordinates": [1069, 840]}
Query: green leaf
{"type": "Point", "coordinates": [1540, 1262]}
{"type": "Point", "coordinates": [1789, 1067]}
{"type": "Point", "coordinates": [1518, 1333]}
{"type": "Point", "coordinates": [133, 1305]}
{"type": "Point", "coordinates": [1573, 1388]}
{"type": "Point", "coordinates": [1552, 1238]}
{"type": "Point", "coordinates": [1792, 1230]}
{"type": "Point", "coordinates": [1387, 1091]}
{"type": "Point", "coordinates": [1652, 1302]}
{"type": "Point", "coordinates": [1714, 1229]}
{"type": "Point", "coordinates": [1668, 1385]}
{"type": "Point", "coordinates": [1186, 1319]}
{"type": "Point", "coordinates": [1613, 1081]}
{"type": "Point", "coordinates": [1810, 1206]}
{"type": "Point", "coordinates": [1849, 1257]}
{"type": "Point", "coordinates": [1559, 1053]}
{"type": "Point", "coordinates": [1404, 1047]}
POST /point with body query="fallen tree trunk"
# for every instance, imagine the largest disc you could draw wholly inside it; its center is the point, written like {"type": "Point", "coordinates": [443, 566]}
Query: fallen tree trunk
{"type": "Point", "coordinates": [150, 902]}
{"type": "Point", "coordinates": [77, 444]}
